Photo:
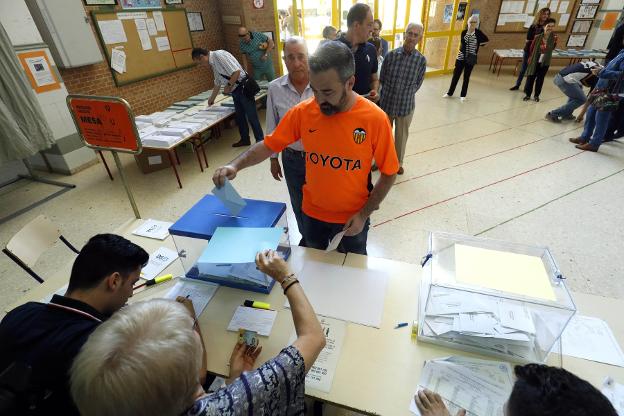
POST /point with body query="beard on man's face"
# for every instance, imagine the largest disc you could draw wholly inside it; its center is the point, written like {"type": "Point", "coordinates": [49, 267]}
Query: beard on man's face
{"type": "Point", "coordinates": [330, 109]}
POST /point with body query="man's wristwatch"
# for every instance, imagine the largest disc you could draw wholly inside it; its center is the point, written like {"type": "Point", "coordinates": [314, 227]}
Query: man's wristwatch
{"type": "Point", "coordinates": [289, 281]}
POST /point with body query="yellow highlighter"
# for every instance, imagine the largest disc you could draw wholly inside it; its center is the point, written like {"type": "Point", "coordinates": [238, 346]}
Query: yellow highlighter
{"type": "Point", "coordinates": [155, 280]}
{"type": "Point", "coordinates": [256, 304]}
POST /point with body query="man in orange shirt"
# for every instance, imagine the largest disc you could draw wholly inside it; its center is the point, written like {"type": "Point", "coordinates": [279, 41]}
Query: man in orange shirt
{"type": "Point", "coordinates": [341, 134]}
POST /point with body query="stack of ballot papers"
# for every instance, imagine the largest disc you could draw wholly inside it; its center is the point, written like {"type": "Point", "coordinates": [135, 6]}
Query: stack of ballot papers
{"type": "Point", "coordinates": [500, 325]}
{"type": "Point", "coordinates": [481, 387]}
{"type": "Point", "coordinates": [230, 255]}
{"type": "Point", "coordinates": [157, 140]}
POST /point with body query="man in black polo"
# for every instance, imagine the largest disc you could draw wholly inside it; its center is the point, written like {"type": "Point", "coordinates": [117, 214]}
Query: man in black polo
{"type": "Point", "coordinates": [47, 336]}
{"type": "Point", "coordinates": [359, 27]}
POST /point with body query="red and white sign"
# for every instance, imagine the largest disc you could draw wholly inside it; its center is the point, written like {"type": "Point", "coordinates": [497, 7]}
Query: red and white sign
{"type": "Point", "coordinates": [105, 123]}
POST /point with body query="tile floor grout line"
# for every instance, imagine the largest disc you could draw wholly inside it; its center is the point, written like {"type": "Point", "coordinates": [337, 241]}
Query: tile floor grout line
{"type": "Point", "coordinates": [549, 202]}
{"type": "Point", "coordinates": [478, 189]}
{"type": "Point", "coordinates": [470, 161]}
{"type": "Point", "coordinates": [456, 143]}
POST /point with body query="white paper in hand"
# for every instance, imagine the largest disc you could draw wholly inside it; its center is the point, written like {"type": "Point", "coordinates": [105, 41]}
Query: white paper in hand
{"type": "Point", "coordinates": [333, 244]}
{"type": "Point", "coordinates": [229, 197]}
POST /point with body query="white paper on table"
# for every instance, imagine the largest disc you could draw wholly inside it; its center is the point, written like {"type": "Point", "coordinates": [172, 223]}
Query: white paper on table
{"type": "Point", "coordinates": [563, 6]}
{"type": "Point", "coordinates": [158, 19]}
{"type": "Point", "coordinates": [530, 7]}
{"type": "Point", "coordinates": [151, 27]}
{"type": "Point", "coordinates": [146, 41]}
{"type": "Point", "coordinates": [347, 293]}
{"type": "Point", "coordinates": [118, 60]}
{"type": "Point", "coordinates": [615, 393]}
{"type": "Point", "coordinates": [153, 229]}
{"type": "Point", "coordinates": [322, 372]}
{"type": "Point", "coordinates": [162, 43]}
{"type": "Point", "coordinates": [40, 71]}
{"type": "Point", "coordinates": [333, 244]}
{"type": "Point", "coordinates": [112, 31]}
{"type": "Point", "coordinates": [59, 292]}
{"type": "Point", "coordinates": [140, 24]}
{"type": "Point", "coordinates": [563, 19]}
{"type": "Point", "coordinates": [198, 291]}
{"type": "Point", "coordinates": [158, 261]}
{"type": "Point", "coordinates": [591, 339]}
{"type": "Point", "coordinates": [479, 386]}
{"type": "Point", "coordinates": [253, 319]}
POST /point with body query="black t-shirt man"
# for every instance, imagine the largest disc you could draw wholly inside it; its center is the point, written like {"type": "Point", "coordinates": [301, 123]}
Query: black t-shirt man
{"type": "Point", "coordinates": [365, 65]}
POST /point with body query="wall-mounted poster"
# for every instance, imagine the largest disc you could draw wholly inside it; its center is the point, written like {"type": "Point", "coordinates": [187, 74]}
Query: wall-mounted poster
{"type": "Point", "coordinates": [140, 4]}
{"type": "Point", "coordinates": [173, 1]}
{"type": "Point", "coordinates": [586, 12]}
{"type": "Point", "coordinates": [195, 21]}
{"type": "Point", "coordinates": [576, 41]}
{"type": "Point", "coordinates": [448, 13]}
{"type": "Point", "coordinates": [100, 2]}
{"type": "Point", "coordinates": [590, 2]}
{"type": "Point", "coordinates": [582, 26]}
{"type": "Point", "coordinates": [461, 11]}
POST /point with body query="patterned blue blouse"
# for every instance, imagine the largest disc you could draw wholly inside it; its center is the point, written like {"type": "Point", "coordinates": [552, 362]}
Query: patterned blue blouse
{"type": "Point", "coordinates": [276, 389]}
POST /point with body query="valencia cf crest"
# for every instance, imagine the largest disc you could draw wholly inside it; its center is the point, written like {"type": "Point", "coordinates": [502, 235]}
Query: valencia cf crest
{"type": "Point", "coordinates": [359, 135]}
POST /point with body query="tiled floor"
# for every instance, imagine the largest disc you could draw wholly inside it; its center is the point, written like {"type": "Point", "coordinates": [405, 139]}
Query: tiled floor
{"type": "Point", "coordinates": [491, 166]}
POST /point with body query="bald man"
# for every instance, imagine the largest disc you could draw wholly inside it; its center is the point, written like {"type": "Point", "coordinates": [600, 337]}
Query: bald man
{"type": "Point", "coordinates": [257, 47]}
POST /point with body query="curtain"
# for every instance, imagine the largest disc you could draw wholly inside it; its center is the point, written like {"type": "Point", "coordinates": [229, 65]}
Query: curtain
{"type": "Point", "coordinates": [23, 127]}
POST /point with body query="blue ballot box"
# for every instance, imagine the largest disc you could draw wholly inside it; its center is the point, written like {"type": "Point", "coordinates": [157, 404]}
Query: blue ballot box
{"type": "Point", "coordinates": [193, 231]}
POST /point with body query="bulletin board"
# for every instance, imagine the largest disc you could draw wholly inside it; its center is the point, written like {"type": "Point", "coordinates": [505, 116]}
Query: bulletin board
{"type": "Point", "coordinates": [511, 12]}
{"type": "Point", "coordinates": [141, 64]}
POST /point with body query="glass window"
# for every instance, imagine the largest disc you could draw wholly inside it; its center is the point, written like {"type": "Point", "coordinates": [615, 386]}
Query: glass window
{"type": "Point", "coordinates": [435, 52]}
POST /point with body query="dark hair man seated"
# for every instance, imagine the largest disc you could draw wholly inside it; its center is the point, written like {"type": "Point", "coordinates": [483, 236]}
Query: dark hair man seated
{"type": "Point", "coordinates": [47, 337]}
{"type": "Point", "coordinates": [539, 390]}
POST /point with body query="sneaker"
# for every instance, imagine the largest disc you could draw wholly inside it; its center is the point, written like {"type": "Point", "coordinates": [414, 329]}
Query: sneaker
{"type": "Point", "coordinates": [462, 99]}
{"type": "Point", "coordinates": [537, 99]}
{"type": "Point", "coordinates": [570, 117]}
{"type": "Point", "coordinates": [446, 96]}
{"type": "Point", "coordinates": [527, 98]}
{"type": "Point", "coordinates": [549, 116]}
{"type": "Point", "coordinates": [514, 88]}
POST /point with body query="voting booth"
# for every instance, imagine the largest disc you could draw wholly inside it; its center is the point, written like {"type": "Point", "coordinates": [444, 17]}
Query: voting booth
{"type": "Point", "coordinates": [497, 298]}
{"type": "Point", "coordinates": [218, 247]}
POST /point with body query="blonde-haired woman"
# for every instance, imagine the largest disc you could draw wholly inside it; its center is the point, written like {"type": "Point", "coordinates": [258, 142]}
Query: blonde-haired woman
{"type": "Point", "coordinates": [471, 39]}
{"type": "Point", "coordinates": [535, 29]}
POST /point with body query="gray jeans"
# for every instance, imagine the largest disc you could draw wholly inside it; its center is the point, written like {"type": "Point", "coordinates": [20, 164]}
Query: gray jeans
{"type": "Point", "coordinates": [574, 92]}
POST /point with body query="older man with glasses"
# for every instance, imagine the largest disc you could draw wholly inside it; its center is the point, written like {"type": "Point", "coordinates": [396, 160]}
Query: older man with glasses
{"type": "Point", "coordinates": [402, 74]}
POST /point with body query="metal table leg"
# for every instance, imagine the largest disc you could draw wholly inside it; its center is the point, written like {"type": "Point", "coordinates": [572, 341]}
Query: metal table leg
{"type": "Point", "coordinates": [171, 155]}
{"type": "Point", "coordinates": [110, 175]}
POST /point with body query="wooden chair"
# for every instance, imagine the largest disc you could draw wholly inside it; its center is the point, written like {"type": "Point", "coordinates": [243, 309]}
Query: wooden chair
{"type": "Point", "coordinates": [32, 241]}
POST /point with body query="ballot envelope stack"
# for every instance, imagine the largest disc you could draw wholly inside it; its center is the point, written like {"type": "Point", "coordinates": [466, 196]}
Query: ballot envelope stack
{"type": "Point", "coordinates": [502, 299]}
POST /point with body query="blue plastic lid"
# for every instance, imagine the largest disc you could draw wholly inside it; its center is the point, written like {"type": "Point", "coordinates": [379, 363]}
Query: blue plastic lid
{"type": "Point", "coordinates": [205, 216]}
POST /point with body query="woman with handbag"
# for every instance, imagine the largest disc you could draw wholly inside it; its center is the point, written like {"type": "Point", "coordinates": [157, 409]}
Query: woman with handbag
{"type": "Point", "coordinates": [471, 39]}
{"type": "Point", "coordinates": [535, 29]}
{"type": "Point", "coordinates": [539, 60]}
{"type": "Point", "coordinates": [604, 100]}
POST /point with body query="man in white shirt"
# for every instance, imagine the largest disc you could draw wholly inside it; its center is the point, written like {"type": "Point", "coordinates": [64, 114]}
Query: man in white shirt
{"type": "Point", "coordinates": [229, 73]}
{"type": "Point", "coordinates": [284, 93]}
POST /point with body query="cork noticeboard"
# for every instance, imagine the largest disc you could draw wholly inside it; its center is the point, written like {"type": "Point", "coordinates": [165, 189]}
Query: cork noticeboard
{"type": "Point", "coordinates": [513, 14]}
{"type": "Point", "coordinates": [169, 41]}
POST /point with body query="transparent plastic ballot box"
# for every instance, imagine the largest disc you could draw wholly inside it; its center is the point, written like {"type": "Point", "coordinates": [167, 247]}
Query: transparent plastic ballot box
{"type": "Point", "coordinates": [492, 297]}
{"type": "Point", "coordinates": [192, 232]}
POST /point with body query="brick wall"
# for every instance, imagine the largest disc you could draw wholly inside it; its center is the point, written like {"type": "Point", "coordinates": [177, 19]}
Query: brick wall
{"type": "Point", "coordinates": [155, 93]}
{"type": "Point", "coordinates": [489, 16]}
{"type": "Point", "coordinates": [255, 20]}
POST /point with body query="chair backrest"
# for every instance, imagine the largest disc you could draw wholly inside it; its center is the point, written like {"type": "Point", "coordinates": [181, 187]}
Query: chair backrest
{"type": "Point", "coordinates": [33, 240]}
